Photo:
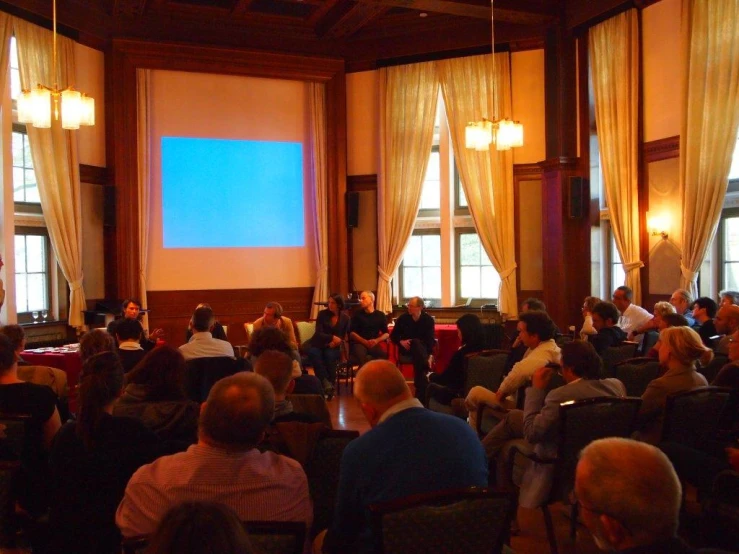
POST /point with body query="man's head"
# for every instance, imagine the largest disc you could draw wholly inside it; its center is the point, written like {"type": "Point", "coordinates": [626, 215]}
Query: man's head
{"type": "Point", "coordinates": [277, 368]}
{"type": "Point", "coordinates": [16, 335]}
{"type": "Point", "coordinates": [580, 360]}
{"type": "Point", "coordinates": [237, 412]}
{"type": "Point", "coordinates": [682, 300]}
{"type": "Point", "coordinates": [535, 327]}
{"type": "Point", "coordinates": [622, 298]}
{"type": "Point", "coordinates": [203, 319]}
{"type": "Point", "coordinates": [129, 330]}
{"type": "Point", "coordinates": [727, 319]}
{"type": "Point", "coordinates": [7, 355]}
{"type": "Point", "coordinates": [531, 304]}
{"type": "Point", "coordinates": [272, 313]}
{"type": "Point", "coordinates": [605, 314]}
{"type": "Point", "coordinates": [131, 308]}
{"type": "Point", "coordinates": [379, 386]}
{"type": "Point", "coordinates": [415, 307]}
{"type": "Point", "coordinates": [704, 308]}
{"type": "Point", "coordinates": [729, 297]}
{"type": "Point", "coordinates": [367, 300]}
{"type": "Point", "coordinates": [628, 493]}
{"type": "Point", "coordinates": [95, 341]}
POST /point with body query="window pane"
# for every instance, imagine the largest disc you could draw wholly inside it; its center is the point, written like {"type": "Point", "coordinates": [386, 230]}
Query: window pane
{"type": "Point", "coordinates": [431, 282]}
{"type": "Point", "coordinates": [431, 195]}
{"type": "Point", "coordinates": [431, 251]}
{"type": "Point", "coordinates": [18, 149]}
{"type": "Point", "coordinates": [731, 276]}
{"type": "Point", "coordinates": [27, 159]}
{"type": "Point", "coordinates": [462, 201]}
{"type": "Point", "coordinates": [21, 296]}
{"type": "Point", "coordinates": [618, 277]}
{"type": "Point", "coordinates": [36, 254]}
{"type": "Point", "coordinates": [412, 282]}
{"type": "Point", "coordinates": [20, 254]}
{"type": "Point", "coordinates": [469, 249]}
{"type": "Point", "coordinates": [470, 282]}
{"type": "Point", "coordinates": [18, 186]}
{"type": "Point", "coordinates": [731, 239]}
{"type": "Point", "coordinates": [734, 171]}
{"type": "Point", "coordinates": [484, 260]}
{"type": "Point", "coordinates": [413, 253]}
{"type": "Point", "coordinates": [36, 291]}
{"type": "Point", "coordinates": [490, 282]}
{"type": "Point", "coordinates": [32, 194]}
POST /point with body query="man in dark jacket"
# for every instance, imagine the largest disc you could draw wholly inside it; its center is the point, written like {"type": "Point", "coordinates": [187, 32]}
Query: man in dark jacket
{"type": "Point", "coordinates": [605, 318]}
{"type": "Point", "coordinates": [414, 335]}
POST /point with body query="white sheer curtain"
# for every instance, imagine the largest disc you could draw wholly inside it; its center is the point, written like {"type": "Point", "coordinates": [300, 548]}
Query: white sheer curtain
{"type": "Point", "coordinates": [467, 85]}
{"type": "Point", "coordinates": [6, 32]}
{"type": "Point", "coordinates": [709, 126]}
{"type": "Point", "coordinates": [317, 107]}
{"type": "Point", "coordinates": [55, 162]}
{"type": "Point", "coordinates": [614, 52]}
{"type": "Point", "coordinates": [408, 98]}
{"type": "Point", "coordinates": [143, 82]}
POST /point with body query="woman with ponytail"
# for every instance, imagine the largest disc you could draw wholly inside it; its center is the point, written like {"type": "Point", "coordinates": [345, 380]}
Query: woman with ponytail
{"type": "Point", "coordinates": [92, 460]}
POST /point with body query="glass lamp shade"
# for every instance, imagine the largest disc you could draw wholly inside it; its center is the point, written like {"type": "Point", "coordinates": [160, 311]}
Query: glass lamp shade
{"type": "Point", "coordinates": [88, 110]}
{"type": "Point", "coordinates": [41, 107]}
{"type": "Point", "coordinates": [25, 107]}
{"type": "Point", "coordinates": [71, 109]}
{"type": "Point", "coordinates": [478, 135]}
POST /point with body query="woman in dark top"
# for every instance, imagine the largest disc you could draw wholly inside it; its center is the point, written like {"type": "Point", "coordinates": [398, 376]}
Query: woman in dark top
{"type": "Point", "coordinates": [92, 460]}
{"type": "Point", "coordinates": [38, 401]}
{"type": "Point", "coordinates": [324, 353]}
{"type": "Point", "coordinates": [155, 395]}
{"type": "Point", "coordinates": [472, 337]}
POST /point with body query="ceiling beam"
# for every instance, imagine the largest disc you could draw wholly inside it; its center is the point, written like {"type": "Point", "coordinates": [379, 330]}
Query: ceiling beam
{"type": "Point", "coordinates": [462, 9]}
{"type": "Point", "coordinates": [357, 17]}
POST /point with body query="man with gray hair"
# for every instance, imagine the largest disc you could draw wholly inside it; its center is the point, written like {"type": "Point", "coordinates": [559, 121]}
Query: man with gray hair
{"type": "Point", "coordinates": [224, 466]}
{"type": "Point", "coordinates": [368, 330]}
{"type": "Point", "coordinates": [629, 497]}
{"type": "Point", "coordinates": [414, 335]}
{"type": "Point", "coordinates": [408, 451]}
{"type": "Point", "coordinates": [682, 301]}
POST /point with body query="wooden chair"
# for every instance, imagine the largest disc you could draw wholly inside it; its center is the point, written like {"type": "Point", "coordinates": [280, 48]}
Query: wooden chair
{"type": "Point", "coordinates": [692, 417]}
{"type": "Point", "coordinates": [581, 422]}
{"type": "Point", "coordinates": [615, 354]}
{"type": "Point", "coordinates": [454, 521]}
{"type": "Point", "coordinates": [345, 369]}
{"type": "Point", "coordinates": [636, 374]}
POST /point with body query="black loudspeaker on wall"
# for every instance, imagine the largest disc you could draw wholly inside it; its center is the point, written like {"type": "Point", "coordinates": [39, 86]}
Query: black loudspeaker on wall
{"type": "Point", "coordinates": [576, 195]}
{"type": "Point", "coordinates": [352, 209]}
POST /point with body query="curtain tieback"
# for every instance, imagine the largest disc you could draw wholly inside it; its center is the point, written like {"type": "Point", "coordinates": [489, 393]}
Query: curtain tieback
{"type": "Point", "coordinates": [384, 276]}
{"type": "Point", "coordinates": [508, 271]}
{"type": "Point", "coordinates": [76, 285]}
{"type": "Point", "coordinates": [633, 265]}
{"type": "Point", "coordinates": [688, 274]}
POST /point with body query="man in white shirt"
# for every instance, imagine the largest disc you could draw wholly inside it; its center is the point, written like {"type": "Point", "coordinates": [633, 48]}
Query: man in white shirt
{"type": "Point", "coordinates": [536, 331]}
{"type": "Point", "coordinates": [633, 317]}
{"type": "Point", "coordinates": [202, 344]}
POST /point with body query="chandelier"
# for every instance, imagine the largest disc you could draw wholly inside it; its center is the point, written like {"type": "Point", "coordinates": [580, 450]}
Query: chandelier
{"type": "Point", "coordinates": [39, 105]}
{"type": "Point", "coordinates": [505, 133]}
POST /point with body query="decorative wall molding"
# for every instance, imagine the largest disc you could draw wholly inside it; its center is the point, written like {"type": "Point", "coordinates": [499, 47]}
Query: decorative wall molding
{"type": "Point", "coordinates": [94, 175]}
{"type": "Point", "coordinates": [528, 170]}
{"type": "Point", "coordinates": [661, 149]}
{"type": "Point", "coordinates": [357, 183]}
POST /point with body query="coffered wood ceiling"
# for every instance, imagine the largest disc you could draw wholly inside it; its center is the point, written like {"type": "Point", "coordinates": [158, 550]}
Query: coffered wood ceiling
{"type": "Point", "coordinates": [366, 33]}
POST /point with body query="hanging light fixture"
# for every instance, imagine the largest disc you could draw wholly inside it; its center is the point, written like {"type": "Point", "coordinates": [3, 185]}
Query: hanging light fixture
{"type": "Point", "coordinates": [505, 133]}
{"type": "Point", "coordinates": [40, 105]}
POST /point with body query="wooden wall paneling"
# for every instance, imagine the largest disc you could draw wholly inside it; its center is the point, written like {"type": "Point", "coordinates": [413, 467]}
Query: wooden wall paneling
{"type": "Point", "coordinates": [94, 175]}
{"type": "Point", "coordinates": [521, 172]}
{"type": "Point", "coordinates": [122, 61]}
{"type": "Point", "coordinates": [560, 94]}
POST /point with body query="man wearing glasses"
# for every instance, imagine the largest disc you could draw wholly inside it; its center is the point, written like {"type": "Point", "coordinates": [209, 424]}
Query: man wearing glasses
{"type": "Point", "coordinates": [414, 335]}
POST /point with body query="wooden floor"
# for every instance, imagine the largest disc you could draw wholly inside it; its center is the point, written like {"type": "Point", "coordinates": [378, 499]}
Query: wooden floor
{"type": "Point", "coordinates": [346, 414]}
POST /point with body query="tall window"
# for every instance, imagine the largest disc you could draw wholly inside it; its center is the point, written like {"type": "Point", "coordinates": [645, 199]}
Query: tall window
{"type": "Point", "coordinates": [444, 261]}
{"type": "Point", "coordinates": [24, 178]}
{"type": "Point", "coordinates": [31, 271]}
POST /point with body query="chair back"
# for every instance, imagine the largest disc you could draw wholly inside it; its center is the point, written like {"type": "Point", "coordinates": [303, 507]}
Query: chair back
{"type": "Point", "coordinates": [202, 374]}
{"type": "Point", "coordinates": [648, 342]}
{"type": "Point", "coordinates": [304, 330]}
{"type": "Point", "coordinates": [453, 522]}
{"type": "Point", "coordinates": [494, 335]}
{"type": "Point", "coordinates": [636, 374]}
{"type": "Point", "coordinates": [276, 537]}
{"type": "Point", "coordinates": [485, 369]}
{"type": "Point", "coordinates": [322, 470]}
{"type": "Point", "coordinates": [12, 439]}
{"type": "Point", "coordinates": [311, 404]}
{"type": "Point", "coordinates": [52, 377]}
{"type": "Point", "coordinates": [693, 416]}
{"type": "Point", "coordinates": [582, 422]}
{"type": "Point", "coordinates": [615, 354]}
{"type": "Point", "coordinates": [710, 370]}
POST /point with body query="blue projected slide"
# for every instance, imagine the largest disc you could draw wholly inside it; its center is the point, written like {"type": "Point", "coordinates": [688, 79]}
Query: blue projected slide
{"type": "Point", "coordinates": [232, 193]}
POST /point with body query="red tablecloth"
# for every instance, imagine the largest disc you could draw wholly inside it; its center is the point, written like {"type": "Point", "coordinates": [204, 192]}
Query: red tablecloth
{"type": "Point", "coordinates": [69, 362]}
{"type": "Point", "coordinates": [446, 334]}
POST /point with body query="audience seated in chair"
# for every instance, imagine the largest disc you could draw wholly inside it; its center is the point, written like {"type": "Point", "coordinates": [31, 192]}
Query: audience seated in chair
{"type": "Point", "coordinates": [128, 334]}
{"type": "Point", "coordinates": [202, 344]}
{"type": "Point", "coordinates": [587, 328]}
{"type": "Point", "coordinates": [94, 342]}
{"type": "Point", "coordinates": [409, 450]}
{"type": "Point", "coordinates": [536, 331]}
{"type": "Point", "coordinates": [413, 334]}
{"type": "Point", "coordinates": [92, 460]}
{"type": "Point", "coordinates": [368, 331]}
{"type": "Point", "coordinates": [225, 465]}
{"type": "Point", "coordinates": [131, 309]}
{"type": "Point", "coordinates": [200, 527]}
{"type": "Point", "coordinates": [727, 323]}
{"type": "Point", "coordinates": [155, 395]}
{"type": "Point", "coordinates": [605, 316]}
{"type": "Point", "coordinates": [472, 338]}
{"type": "Point", "coordinates": [273, 318]}
{"type": "Point", "coordinates": [704, 310]}
{"type": "Point", "coordinates": [679, 350]}
{"type": "Point", "coordinates": [665, 321]}
{"type": "Point", "coordinates": [634, 319]}
{"type": "Point", "coordinates": [324, 347]}
{"type": "Point", "coordinates": [682, 301]}
{"type": "Point", "coordinates": [271, 338]}
{"type": "Point", "coordinates": [217, 331]}
{"type": "Point", "coordinates": [538, 423]}
{"type": "Point", "coordinates": [38, 401]}
{"type": "Point", "coordinates": [518, 348]}
{"type": "Point", "coordinates": [629, 497]}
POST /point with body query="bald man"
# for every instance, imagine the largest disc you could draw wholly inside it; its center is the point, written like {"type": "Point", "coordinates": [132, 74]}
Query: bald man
{"type": "Point", "coordinates": [409, 450]}
{"type": "Point", "coordinates": [629, 497]}
{"type": "Point", "coordinates": [727, 323]}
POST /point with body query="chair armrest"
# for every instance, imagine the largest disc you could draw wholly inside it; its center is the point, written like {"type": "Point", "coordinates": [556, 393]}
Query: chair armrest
{"type": "Point", "coordinates": [481, 412]}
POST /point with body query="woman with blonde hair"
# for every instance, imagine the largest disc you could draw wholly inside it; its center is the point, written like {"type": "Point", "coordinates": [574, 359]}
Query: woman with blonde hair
{"type": "Point", "coordinates": [680, 348]}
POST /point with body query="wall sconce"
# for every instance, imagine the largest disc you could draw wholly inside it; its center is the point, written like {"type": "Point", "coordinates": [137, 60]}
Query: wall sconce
{"type": "Point", "coordinates": [658, 226]}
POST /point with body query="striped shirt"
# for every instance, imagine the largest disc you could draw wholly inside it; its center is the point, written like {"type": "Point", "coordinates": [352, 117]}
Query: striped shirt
{"type": "Point", "coordinates": [258, 486]}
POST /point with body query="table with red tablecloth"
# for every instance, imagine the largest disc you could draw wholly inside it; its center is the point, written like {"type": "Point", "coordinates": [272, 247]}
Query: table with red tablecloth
{"type": "Point", "coordinates": [67, 360]}
{"type": "Point", "coordinates": [446, 334]}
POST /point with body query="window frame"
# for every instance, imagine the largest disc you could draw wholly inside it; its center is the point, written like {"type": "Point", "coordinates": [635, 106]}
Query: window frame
{"type": "Point", "coordinates": [726, 213]}
{"type": "Point", "coordinates": [431, 212]}
{"type": "Point", "coordinates": [436, 302]}
{"type": "Point", "coordinates": [458, 208]}
{"type": "Point", "coordinates": [25, 317]}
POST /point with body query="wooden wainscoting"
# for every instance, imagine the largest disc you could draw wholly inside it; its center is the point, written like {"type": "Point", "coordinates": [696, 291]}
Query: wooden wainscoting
{"type": "Point", "coordinates": [171, 310]}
